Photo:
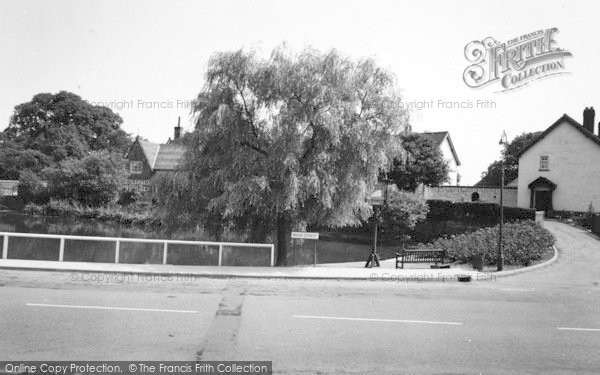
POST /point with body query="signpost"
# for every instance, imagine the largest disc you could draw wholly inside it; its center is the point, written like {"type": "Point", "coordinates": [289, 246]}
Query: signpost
{"type": "Point", "coordinates": [306, 236]}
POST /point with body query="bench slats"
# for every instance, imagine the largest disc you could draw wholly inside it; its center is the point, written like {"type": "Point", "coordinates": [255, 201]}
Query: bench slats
{"type": "Point", "coordinates": [419, 256]}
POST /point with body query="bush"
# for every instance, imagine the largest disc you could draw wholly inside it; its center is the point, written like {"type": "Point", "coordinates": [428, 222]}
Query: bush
{"type": "Point", "coordinates": [32, 188]}
{"type": "Point", "coordinates": [403, 211]}
{"type": "Point", "coordinates": [128, 197]}
{"type": "Point", "coordinates": [430, 230]}
{"type": "Point", "coordinates": [523, 241]}
{"type": "Point", "coordinates": [92, 180]}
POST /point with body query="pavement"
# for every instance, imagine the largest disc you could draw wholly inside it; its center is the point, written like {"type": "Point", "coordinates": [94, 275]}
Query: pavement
{"type": "Point", "coordinates": [322, 271]}
{"type": "Point", "coordinates": [544, 321]}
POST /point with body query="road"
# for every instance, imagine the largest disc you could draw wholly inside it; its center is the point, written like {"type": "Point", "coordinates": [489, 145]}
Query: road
{"type": "Point", "coordinates": [546, 321]}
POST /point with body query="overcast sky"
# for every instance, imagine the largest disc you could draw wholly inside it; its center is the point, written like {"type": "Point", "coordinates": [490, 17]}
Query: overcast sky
{"type": "Point", "coordinates": [157, 51]}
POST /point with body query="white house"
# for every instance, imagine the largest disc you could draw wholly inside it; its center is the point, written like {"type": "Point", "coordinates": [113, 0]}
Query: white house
{"type": "Point", "coordinates": [443, 141]}
{"type": "Point", "coordinates": [560, 171]}
{"type": "Point", "coordinates": [9, 187]}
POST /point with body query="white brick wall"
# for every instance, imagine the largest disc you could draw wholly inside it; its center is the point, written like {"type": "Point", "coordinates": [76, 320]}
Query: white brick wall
{"type": "Point", "coordinates": [464, 193]}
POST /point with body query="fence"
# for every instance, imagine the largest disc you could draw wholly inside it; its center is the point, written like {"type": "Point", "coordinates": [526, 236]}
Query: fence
{"type": "Point", "coordinates": [133, 250]}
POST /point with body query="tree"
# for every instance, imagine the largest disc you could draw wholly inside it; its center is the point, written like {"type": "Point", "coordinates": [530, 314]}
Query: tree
{"type": "Point", "coordinates": [402, 211]}
{"type": "Point", "coordinates": [14, 159]}
{"type": "Point", "coordinates": [60, 126]}
{"type": "Point", "coordinates": [510, 154]}
{"type": "Point", "coordinates": [422, 163]}
{"type": "Point", "coordinates": [32, 188]}
{"type": "Point", "coordinates": [287, 141]}
{"type": "Point", "coordinates": [93, 180]}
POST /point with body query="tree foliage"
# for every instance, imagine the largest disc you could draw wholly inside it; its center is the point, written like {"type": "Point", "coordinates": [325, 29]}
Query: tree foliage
{"type": "Point", "coordinates": [32, 188]}
{"type": "Point", "coordinates": [510, 155]}
{"type": "Point", "coordinates": [54, 127]}
{"type": "Point", "coordinates": [14, 159]}
{"type": "Point", "coordinates": [421, 163]}
{"type": "Point", "coordinates": [289, 140]}
{"type": "Point", "coordinates": [403, 211]}
{"type": "Point", "coordinates": [93, 180]}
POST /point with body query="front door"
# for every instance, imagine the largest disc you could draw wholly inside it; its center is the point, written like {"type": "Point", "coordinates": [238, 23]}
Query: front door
{"type": "Point", "coordinates": [543, 200]}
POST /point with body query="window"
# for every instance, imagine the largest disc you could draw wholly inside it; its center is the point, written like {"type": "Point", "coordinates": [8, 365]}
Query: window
{"type": "Point", "coordinates": [544, 163]}
{"type": "Point", "coordinates": [135, 167]}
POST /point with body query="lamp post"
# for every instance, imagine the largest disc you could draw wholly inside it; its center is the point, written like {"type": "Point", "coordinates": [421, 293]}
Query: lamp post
{"type": "Point", "coordinates": [378, 204]}
{"type": "Point", "coordinates": [502, 142]}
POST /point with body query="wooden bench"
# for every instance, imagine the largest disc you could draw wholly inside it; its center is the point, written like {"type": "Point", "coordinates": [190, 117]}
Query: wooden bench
{"type": "Point", "coordinates": [420, 256]}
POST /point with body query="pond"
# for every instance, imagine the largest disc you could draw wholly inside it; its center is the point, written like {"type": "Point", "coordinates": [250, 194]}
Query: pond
{"type": "Point", "coordinates": [11, 221]}
{"type": "Point", "coordinates": [328, 251]}
{"type": "Point", "coordinates": [104, 251]}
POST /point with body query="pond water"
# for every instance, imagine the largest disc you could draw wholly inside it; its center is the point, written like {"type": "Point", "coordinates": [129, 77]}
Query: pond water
{"type": "Point", "coordinates": [328, 251]}
{"type": "Point", "coordinates": [11, 221]}
{"type": "Point", "coordinates": [138, 252]}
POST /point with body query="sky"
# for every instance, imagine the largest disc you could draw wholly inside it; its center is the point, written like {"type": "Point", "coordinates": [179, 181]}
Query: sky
{"type": "Point", "coordinates": [146, 59]}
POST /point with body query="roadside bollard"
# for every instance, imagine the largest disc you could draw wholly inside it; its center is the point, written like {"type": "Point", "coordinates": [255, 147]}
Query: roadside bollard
{"type": "Point", "coordinates": [477, 262]}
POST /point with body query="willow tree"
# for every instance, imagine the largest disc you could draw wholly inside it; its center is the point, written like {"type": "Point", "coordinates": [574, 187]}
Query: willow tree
{"type": "Point", "coordinates": [291, 140]}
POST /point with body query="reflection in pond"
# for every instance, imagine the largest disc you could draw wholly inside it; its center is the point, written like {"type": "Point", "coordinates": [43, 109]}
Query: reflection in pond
{"type": "Point", "coordinates": [16, 222]}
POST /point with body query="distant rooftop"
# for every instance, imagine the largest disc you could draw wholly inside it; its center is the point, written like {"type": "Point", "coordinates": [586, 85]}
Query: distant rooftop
{"type": "Point", "coordinates": [169, 157]}
{"type": "Point", "coordinates": [437, 138]}
{"type": "Point", "coordinates": [163, 157]}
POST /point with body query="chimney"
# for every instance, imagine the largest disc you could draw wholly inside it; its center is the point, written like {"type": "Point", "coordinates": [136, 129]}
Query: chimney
{"type": "Point", "coordinates": [177, 134]}
{"type": "Point", "coordinates": [588, 119]}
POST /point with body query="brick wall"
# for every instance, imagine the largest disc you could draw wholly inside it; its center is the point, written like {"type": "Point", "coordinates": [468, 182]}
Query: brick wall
{"type": "Point", "coordinates": [464, 194]}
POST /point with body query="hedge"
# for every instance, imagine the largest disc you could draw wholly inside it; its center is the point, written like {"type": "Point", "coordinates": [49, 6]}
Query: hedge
{"type": "Point", "coordinates": [474, 212]}
{"type": "Point", "coordinates": [444, 218]}
{"type": "Point", "coordinates": [523, 242]}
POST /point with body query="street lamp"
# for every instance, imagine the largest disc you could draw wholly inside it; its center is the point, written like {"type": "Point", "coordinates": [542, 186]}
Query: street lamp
{"type": "Point", "coordinates": [502, 142]}
{"type": "Point", "coordinates": [379, 200]}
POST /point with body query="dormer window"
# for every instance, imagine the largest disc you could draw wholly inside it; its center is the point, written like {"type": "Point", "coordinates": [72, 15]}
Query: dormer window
{"type": "Point", "coordinates": [544, 163]}
{"type": "Point", "coordinates": [135, 167]}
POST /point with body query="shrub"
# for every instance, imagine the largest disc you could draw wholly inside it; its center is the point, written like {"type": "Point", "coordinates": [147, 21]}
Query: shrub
{"type": "Point", "coordinates": [403, 211]}
{"type": "Point", "coordinates": [32, 188]}
{"type": "Point", "coordinates": [92, 180]}
{"type": "Point", "coordinates": [128, 197]}
{"type": "Point", "coordinates": [523, 241]}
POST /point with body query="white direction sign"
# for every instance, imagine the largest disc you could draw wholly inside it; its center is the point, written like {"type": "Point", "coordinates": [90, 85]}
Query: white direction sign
{"type": "Point", "coordinates": [306, 235]}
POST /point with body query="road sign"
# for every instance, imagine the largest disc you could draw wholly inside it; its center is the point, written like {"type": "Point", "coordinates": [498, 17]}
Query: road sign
{"type": "Point", "coordinates": [306, 235]}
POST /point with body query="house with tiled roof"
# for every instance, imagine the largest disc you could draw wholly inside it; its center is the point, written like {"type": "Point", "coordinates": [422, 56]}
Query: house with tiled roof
{"type": "Point", "coordinates": [147, 159]}
{"type": "Point", "coordinates": [560, 170]}
{"type": "Point", "coordinates": [443, 142]}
